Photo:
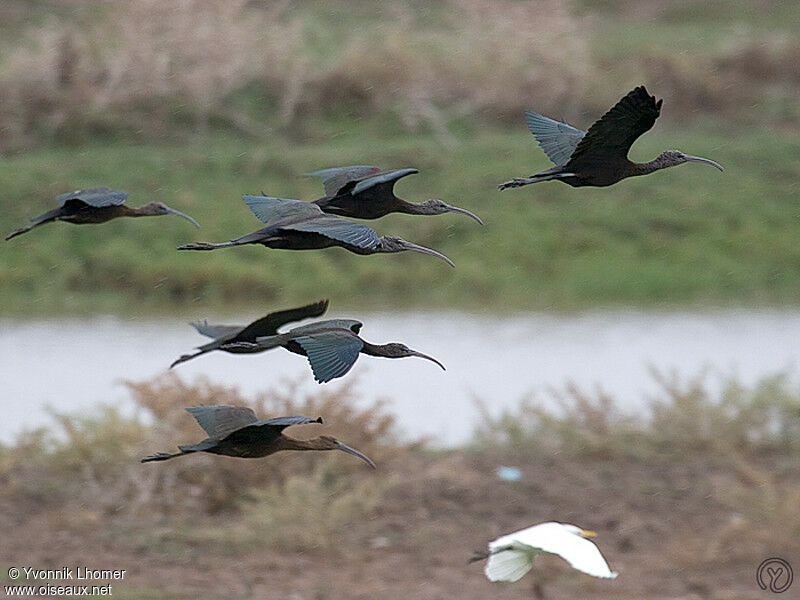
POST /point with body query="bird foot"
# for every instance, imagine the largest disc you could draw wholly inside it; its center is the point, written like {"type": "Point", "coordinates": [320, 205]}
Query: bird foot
{"type": "Point", "coordinates": [17, 232]}
{"type": "Point", "coordinates": [516, 182]}
{"type": "Point", "coordinates": [197, 246]}
{"type": "Point", "coordinates": [157, 457]}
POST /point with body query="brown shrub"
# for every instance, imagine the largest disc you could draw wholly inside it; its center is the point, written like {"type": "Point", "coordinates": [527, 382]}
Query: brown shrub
{"type": "Point", "coordinates": [95, 460]}
{"type": "Point", "coordinates": [685, 419]}
{"type": "Point", "coordinates": [141, 65]}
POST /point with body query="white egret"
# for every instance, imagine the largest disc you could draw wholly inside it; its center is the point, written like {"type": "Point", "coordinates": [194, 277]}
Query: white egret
{"type": "Point", "coordinates": [512, 555]}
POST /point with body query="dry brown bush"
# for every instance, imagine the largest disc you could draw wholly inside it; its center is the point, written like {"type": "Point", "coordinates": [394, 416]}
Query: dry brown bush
{"type": "Point", "coordinates": [95, 461]}
{"type": "Point", "coordinates": [140, 65]}
{"type": "Point", "coordinates": [686, 418]}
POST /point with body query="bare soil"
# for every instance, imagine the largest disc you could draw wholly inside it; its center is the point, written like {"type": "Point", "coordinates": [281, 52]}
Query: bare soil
{"type": "Point", "coordinates": [662, 527]}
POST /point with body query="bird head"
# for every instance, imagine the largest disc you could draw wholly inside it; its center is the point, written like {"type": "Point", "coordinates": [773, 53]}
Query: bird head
{"type": "Point", "coordinates": [397, 350]}
{"type": "Point", "coordinates": [159, 208]}
{"type": "Point", "coordinates": [390, 243]}
{"type": "Point", "coordinates": [434, 206]}
{"type": "Point", "coordinates": [674, 157]}
{"type": "Point", "coordinates": [328, 443]}
{"type": "Point", "coordinates": [575, 530]}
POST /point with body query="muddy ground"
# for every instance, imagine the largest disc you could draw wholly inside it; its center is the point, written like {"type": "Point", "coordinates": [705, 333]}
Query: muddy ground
{"type": "Point", "coordinates": [670, 530]}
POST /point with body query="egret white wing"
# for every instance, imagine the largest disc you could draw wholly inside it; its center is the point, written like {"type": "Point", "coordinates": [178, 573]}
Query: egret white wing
{"type": "Point", "coordinates": [510, 564]}
{"type": "Point", "coordinates": [556, 538]}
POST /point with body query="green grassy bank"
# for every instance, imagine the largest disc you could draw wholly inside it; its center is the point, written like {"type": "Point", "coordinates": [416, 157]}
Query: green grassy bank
{"type": "Point", "coordinates": [688, 235]}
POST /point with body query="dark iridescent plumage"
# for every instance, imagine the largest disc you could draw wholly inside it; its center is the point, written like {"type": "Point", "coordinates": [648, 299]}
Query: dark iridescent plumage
{"type": "Point", "coordinates": [296, 225]}
{"type": "Point", "coordinates": [235, 431]}
{"type": "Point", "coordinates": [332, 347]}
{"type": "Point", "coordinates": [97, 205]}
{"type": "Point", "coordinates": [267, 325]}
{"type": "Point", "coordinates": [363, 192]}
{"type": "Point", "coordinates": [599, 157]}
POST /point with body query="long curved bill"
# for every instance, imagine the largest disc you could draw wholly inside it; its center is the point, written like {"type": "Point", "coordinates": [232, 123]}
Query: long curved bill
{"type": "Point", "coordinates": [354, 452]}
{"type": "Point", "coordinates": [426, 357]}
{"type": "Point", "coordinates": [464, 211]}
{"type": "Point", "coordinates": [708, 161]}
{"type": "Point", "coordinates": [424, 250]}
{"type": "Point", "coordinates": [172, 211]}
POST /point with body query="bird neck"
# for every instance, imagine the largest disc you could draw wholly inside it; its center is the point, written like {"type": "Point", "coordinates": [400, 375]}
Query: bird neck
{"type": "Point", "coordinates": [376, 349]}
{"type": "Point", "coordinates": [127, 211]}
{"type": "Point", "coordinates": [289, 443]}
{"type": "Point", "coordinates": [148, 210]}
{"type": "Point", "coordinates": [662, 161]}
{"type": "Point", "coordinates": [382, 247]}
{"type": "Point", "coordinates": [410, 208]}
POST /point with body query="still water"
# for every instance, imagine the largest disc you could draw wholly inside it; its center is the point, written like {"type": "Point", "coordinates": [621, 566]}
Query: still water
{"type": "Point", "coordinates": [72, 365]}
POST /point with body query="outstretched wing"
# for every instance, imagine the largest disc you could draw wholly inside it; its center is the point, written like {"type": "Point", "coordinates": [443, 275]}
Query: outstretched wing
{"type": "Point", "coordinates": [384, 179]}
{"type": "Point", "coordinates": [326, 325]}
{"type": "Point", "coordinates": [219, 421]}
{"type": "Point", "coordinates": [269, 324]}
{"type": "Point", "coordinates": [509, 563]}
{"type": "Point", "coordinates": [554, 538]}
{"type": "Point", "coordinates": [98, 197]}
{"type": "Point", "coordinates": [216, 331]}
{"type": "Point", "coordinates": [270, 209]}
{"type": "Point", "coordinates": [614, 133]}
{"type": "Point", "coordinates": [267, 430]}
{"type": "Point", "coordinates": [295, 215]}
{"type": "Point", "coordinates": [330, 354]}
{"type": "Point", "coordinates": [283, 422]}
{"type": "Point", "coordinates": [336, 178]}
{"type": "Point", "coordinates": [336, 228]}
{"type": "Point", "coordinates": [556, 138]}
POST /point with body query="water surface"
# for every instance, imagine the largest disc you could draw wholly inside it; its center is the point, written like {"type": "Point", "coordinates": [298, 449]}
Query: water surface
{"type": "Point", "coordinates": [73, 364]}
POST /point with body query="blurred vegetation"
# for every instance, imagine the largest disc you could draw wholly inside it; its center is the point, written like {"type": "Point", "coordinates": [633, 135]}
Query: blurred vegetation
{"type": "Point", "coordinates": [708, 479]}
{"type": "Point", "coordinates": [94, 461]}
{"type": "Point", "coordinates": [684, 418]}
{"type": "Point", "coordinates": [690, 436]}
{"type": "Point", "coordinates": [75, 71]}
{"type": "Point", "coordinates": [690, 235]}
{"type": "Point", "coordinates": [197, 102]}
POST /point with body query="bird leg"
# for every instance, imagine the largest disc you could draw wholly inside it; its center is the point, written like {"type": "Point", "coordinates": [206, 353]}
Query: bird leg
{"type": "Point", "coordinates": [478, 555]}
{"type": "Point", "coordinates": [162, 456]}
{"type": "Point", "coordinates": [19, 231]}
{"type": "Point", "coordinates": [22, 230]}
{"type": "Point", "coordinates": [205, 246]}
{"type": "Point", "coordinates": [517, 182]}
{"type": "Point", "coordinates": [554, 173]}
{"type": "Point", "coordinates": [185, 357]}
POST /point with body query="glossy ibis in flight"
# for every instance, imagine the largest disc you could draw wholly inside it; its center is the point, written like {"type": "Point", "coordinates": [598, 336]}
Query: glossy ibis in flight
{"type": "Point", "coordinates": [364, 192]}
{"type": "Point", "coordinates": [332, 347]}
{"type": "Point", "coordinates": [267, 325]}
{"type": "Point", "coordinates": [296, 225]}
{"type": "Point", "coordinates": [599, 157]}
{"type": "Point", "coordinates": [235, 431]}
{"type": "Point", "coordinates": [512, 555]}
{"type": "Point", "coordinates": [97, 205]}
